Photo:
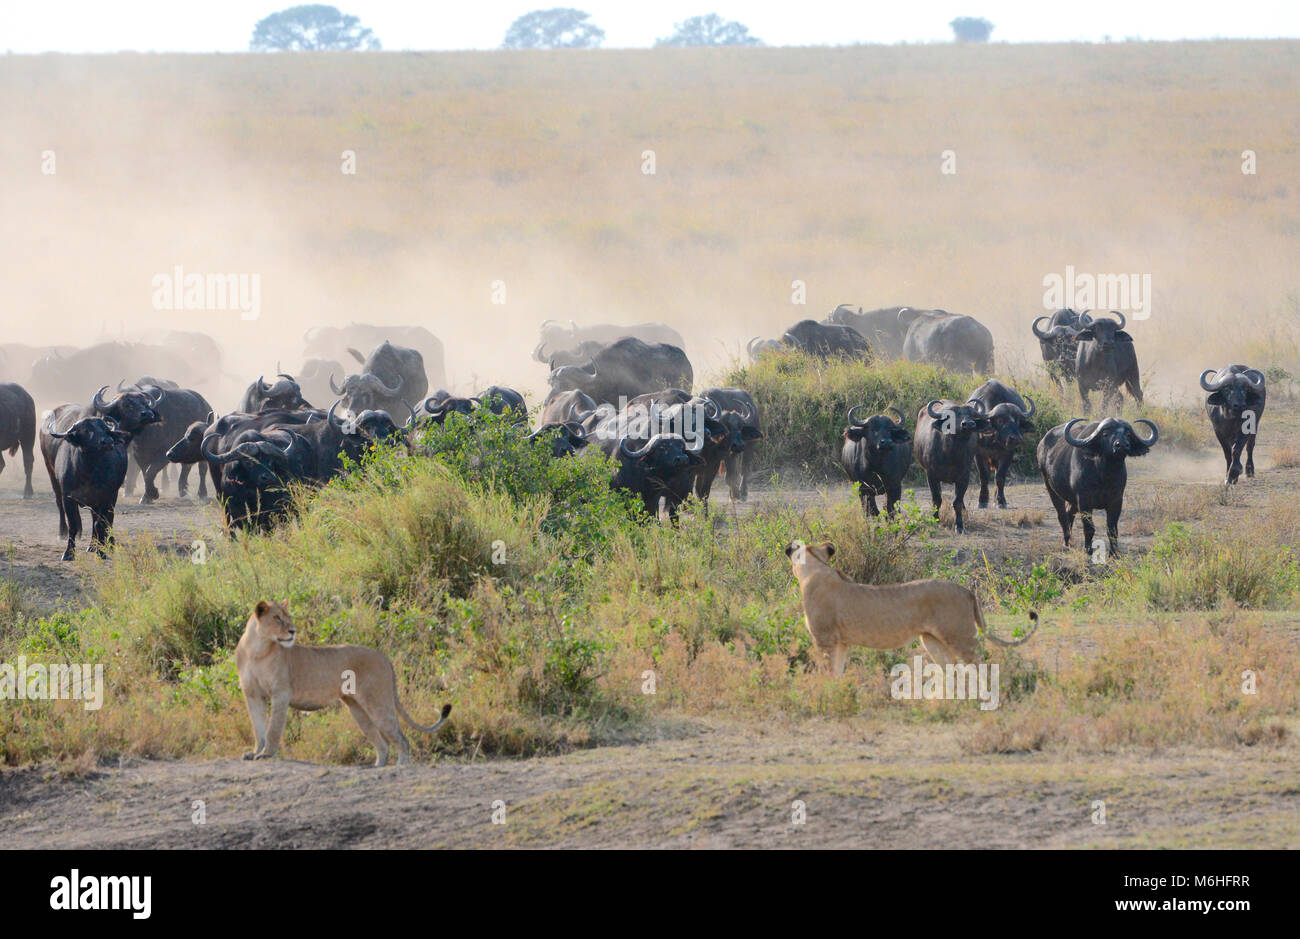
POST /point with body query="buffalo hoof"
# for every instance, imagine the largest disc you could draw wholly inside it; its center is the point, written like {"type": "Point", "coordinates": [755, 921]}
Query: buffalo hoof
{"type": "Point", "coordinates": [984, 504]}
{"type": "Point", "coordinates": [28, 494]}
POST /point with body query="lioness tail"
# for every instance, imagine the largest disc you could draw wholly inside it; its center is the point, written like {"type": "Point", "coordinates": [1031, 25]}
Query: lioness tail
{"type": "Point", "coordinates": [1033, 628]}
{"type": "Point", "coordinates": [446, 709]}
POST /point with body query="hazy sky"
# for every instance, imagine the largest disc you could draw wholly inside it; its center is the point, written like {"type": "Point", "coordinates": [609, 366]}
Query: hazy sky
{"type": "Point", "coordinates": [191, 26]}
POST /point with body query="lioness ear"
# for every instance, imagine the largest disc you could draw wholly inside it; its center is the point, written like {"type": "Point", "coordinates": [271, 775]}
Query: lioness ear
{"type": "Point", "coordinates": [789, 550]}
{"type": "Point", "coordinates": [829, 549]}
{"type": "Point", "coordinates": [261, 608]}
{"type": "Point", "coordinates": [284, 605]}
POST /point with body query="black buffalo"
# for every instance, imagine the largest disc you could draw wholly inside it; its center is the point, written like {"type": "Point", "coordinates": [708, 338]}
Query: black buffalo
{"type": "Point", "coordinates": [443, 404]}
{"type": "Point", "coordinates": [558, 339]}
{"type": "Point", "coordinates": [86, 460]}
{"type": "Point", "coordinates": [566, 439]}
{"type": "Point", "coordinates": [1088, 472]}
{"type": "Point", "coordinates": [256, 474]}
{"type": "Point", "coordinates": [315, 376]}
{"type": "Point", "coordinates": [331, 342]}
{"type": "Point", "coordinates": [660, 470]}
{"type": "Point", "coordinates": [947, 436]}
{"type": "Point", "coordinates": [951, 340]}
{"type": "Point", "coordinates": [876, 454]}
{"type": "Point", "coordinates": [1009, 421]}
{"type": "Point", "coordinates": [825, 340]}
{"type": "Point", "coordinates": [757, 348]}
{"type": "Point", "coordinates": [1057, 342]}
{"type": "Point", "coordinates": [176, 408]}
{"type": "Point", "coordinates": [501, 400]}
{"type": "Point", "coordinates": [625, 369]}
{"type": "Point", "coordinates": [284, 394]}
{"type": "Point", "coordinates": [67, 377]}
{"type": "Point", "coordinates": [1235, 405]}
{"type": "Point", "coordinates": [569, 406]}
{"type": "Point", "coordinates": [880, 327]}
{"type": "Point", "coordinates": [739, 414]}
{"type": "Point", "coordinates": [389, 376]}
{"type": "Point", "coordinates": [18, 428]}
{"type": "Point", "coordinates": [1104, 360]}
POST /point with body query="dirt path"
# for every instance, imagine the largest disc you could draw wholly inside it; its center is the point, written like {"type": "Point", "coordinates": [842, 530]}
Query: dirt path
{"type": "Point", "coordinates": [703, 784]}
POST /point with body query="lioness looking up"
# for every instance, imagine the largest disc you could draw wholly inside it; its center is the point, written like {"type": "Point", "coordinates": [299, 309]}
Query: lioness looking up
{"type": "Point", "coordinates": [272, 668]}
{"type": "Point", "coordinates": [839, 613]}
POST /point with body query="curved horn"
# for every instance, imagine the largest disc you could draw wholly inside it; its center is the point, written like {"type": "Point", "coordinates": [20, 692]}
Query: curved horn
{"type": "Point", "coordinates": [1123, 321]}
{"type": "Point", "coordinates": [411, 420]}
{"type": "Point", "coordinates": [334, 421]}
{"type": "Point", "coordinates": [979, 409]}
{"type": "Point", "coordinates": [749, 346]}
{"type": "Point", "coordinates": [576, 430]}
{"type": "Point", "coordinates": [842, 306]}
{"type": "Point", "coordinates": [98, 401]}
{"type": "Point", "coordinates": [901, 419]}
{"type": "Point", "coordinates": [853, 410]}
{"type": "Point", "coordinates": [284, 374]}
{"type": "Point", "coordinates": [215, 457]}
{"type": "Point", "coordinates": [1056, 332]}
{"type": "Point", "coordinates": [156, 397]}
{"type": "Point", "coordinates": [1255, 377]}
{"type": "Point", "coordinates": [335, 388]}
{"type": "Point", "coordinates": [710, 403]}
{"type": "Point", "coordinates": [428, 405]}
{"type": "Point", "coordinates": [929, 409]}
{"type": "Point", "coordinates": [748, 413]}
{"type": "Point", "coordinates": [120, 389]}
{"type": "Point", "coordinates": [262, 386]}
{"type": "Point", "coordinates": [637, 454]}
{"type": "Point", "coordinates": [1032, 408]}
{"type": "Point", "coordinates": [1211, 386]}
{"type": "Point", "coordinates": [1075, 441]}
{"type": "Point", "coordinates": [1155, 431]}
{"type": "Point", "coordinates": [899, 317]}
{"type": "Point", "coordinates": [395, 390]}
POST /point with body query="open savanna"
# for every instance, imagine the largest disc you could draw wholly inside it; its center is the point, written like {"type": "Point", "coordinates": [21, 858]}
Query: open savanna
{"type": "Point", "coordinates": [771, 165]}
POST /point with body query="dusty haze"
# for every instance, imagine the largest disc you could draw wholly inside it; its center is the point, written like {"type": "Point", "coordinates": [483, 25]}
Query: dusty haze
{"type": "Point", "coordinates": [772, 165]}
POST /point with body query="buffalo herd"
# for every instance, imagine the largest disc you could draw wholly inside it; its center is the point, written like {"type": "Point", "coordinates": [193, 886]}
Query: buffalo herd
{"type": "Point", "coordinates": [627, 390]}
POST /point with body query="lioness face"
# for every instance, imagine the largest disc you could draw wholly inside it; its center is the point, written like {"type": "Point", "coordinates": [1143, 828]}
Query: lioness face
{"type": "Point", "coordinates": [274, 622]}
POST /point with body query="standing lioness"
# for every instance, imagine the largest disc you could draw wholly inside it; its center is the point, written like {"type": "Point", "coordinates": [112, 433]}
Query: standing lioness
{"type": "Point", "coordinates": [839, 613]}
{"type": "Point", "coordinates": [272, 668]}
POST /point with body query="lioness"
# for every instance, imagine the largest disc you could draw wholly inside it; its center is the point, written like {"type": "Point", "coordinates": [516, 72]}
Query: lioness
{"type": "Point", "coordinates": [839, 613]}
{"type": "Point", "coordinates": [308, 678]}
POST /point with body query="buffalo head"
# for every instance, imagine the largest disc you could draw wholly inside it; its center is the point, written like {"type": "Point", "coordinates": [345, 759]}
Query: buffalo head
{"type": "Point", "coordinates": [1113, 438]}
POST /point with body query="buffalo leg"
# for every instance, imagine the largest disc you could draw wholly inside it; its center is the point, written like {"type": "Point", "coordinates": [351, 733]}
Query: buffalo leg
{"type": "Point", "coordinates": [867, 495]}
{"type": "Point", "coordinates": [1004, 468]}
{"type": "Point", "coordinates": [101, 531]}
{"type": "Point", "coordinates": [1134, 389]}
{"type": "Point", "coordinates": [203, 480]}
{"type": "Point", "coordinates": [746, 466]}
{"type": "Point", "coordinates": [1234, 458]}
{"type": "Point", "coordinates": [1112, 524]}
{"type": "Point", "coordinates": [982, 464]}
{"type": "Point", "coordinates": [132, 470]}
{"type": "Point", "coordinates": [733, 462]}
{"type": "Point", "coordinates": [1063, 513]}
{"type": "Point", "coordinates": [27, 492]}
{"type": "Point", "coordinates": [1250, 460]}
{"type": "Point", "coordinates": [703, 482]}
{"type": "Point", "coordinates": [935, 495]}
{"type": "Point", "coordinates": [72, 512]}
{"type": "Point", "coordinates": [893, 494]}
{"type": "Point", "coordinates": [959, 504]}
{"type": "Point", "coordinates": [183, 481]}
{"type": "Point", "coordinates": [150, 489]}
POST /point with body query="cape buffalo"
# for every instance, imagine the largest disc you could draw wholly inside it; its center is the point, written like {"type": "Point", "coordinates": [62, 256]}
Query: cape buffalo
{"type": "Point", "coordinates": [261, 396]}
{"type": "Point", "coordinates": [1009, 421]}
{"type": "Point", "coordinates": [880, 327]}
{"type": "Point", "coordinates": [658, 470]}
{"type": "Point", "coordinates": [256, 473]}
{"type": "Point", "coordinates": [876, 454]}
{"type": "Point", "coordinates": [557, 338]}
{"type": "Point", "coordinates": [1088, 472]}
{"type": "Point", "coordinates": [500, 400]}
{"type": "Point", "coordinates": [757, 348]}
{"type": "Point", "coordinates": [1105, 359]}
{"type": "Point", "coordinates": [1235, 405]}
{"type": "Point", "coordinates": [331, 342]}
{"type": "Point", "coordinates": [176, 408]}
{"type": "Point", "coordinates": [86, 461]}
{"type": "Point", "coordinates": [947, 435]}
{"type": "Point", "coordinates": [625, 369]}
{"type": "Point", "coordinates": [741, 415]}
{"type": "Point", "coordinates": [1057, 342]}
{"type": "Point", "coordinates": [951, 340]}
{"type": "Point", "coordinates": [827, 340]}
{"type": "Point", "coordinates": [18, 428]}
{"type": "Point", "coordinates": [389, 376]}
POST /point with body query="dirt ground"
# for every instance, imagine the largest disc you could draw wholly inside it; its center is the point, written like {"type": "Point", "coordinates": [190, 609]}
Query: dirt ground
{"type": "Point", "coordinates": [687, 783]}
{"type": "Point", "coordinates": [703, 784]}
